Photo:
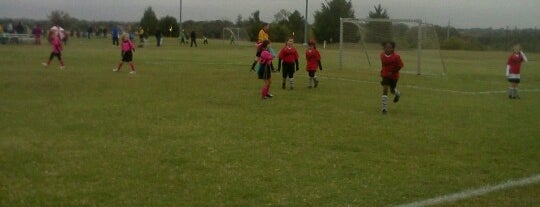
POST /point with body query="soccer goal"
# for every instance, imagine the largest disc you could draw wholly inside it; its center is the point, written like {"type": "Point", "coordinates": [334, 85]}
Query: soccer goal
{"type": "Point", "coordinates": [416, 42]}
{"type": "Point", "coordinates": [235, 36]}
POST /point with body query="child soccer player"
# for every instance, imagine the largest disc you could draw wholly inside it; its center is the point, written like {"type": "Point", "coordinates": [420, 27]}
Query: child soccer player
{"type": "Point", "coordinates": [56, 49]}
{"type": "Point", "coordinates": [313, 59]}
{"type": "Point", "coordinates": [391, 64]}
{"type": "Point", "coordinates": [513, 69]}
{"type": "Point", "coordinates": [127, 48]}
{"type": "Point", "coordinates": [289, 56]}
{"type": "Point", "coordinates": [265, 72]}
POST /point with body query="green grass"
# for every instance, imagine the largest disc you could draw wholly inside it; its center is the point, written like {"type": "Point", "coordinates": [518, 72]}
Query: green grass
{"type": "Point", "coordinates": [189, 129]}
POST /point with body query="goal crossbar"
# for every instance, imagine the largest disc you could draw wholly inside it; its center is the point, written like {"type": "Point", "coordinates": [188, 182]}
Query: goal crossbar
{"type": "Point", "coordinates": [357, 22]}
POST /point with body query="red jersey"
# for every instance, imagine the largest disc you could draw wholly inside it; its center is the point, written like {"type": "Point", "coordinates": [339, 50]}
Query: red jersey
{"type": "Point", "coordinates": [312, 58]}
{"type": "Point", "coordinates": [288, 55]}
{"type": "Point", "coordinates": [391, 64]}
{"type": "Point", "coordinates": [514, 61]}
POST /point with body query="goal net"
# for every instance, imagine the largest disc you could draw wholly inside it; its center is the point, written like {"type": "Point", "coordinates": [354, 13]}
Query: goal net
{"type": "Point", "coordinates": [416, 42]}
{"type": "Point", "coordinates": [235, 36]}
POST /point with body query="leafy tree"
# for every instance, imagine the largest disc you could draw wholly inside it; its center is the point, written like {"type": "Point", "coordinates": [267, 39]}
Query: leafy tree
{"type": "Point", "coordinates": [169, 26]}
{"type": "Point", "coordinates": [282, 16]}
{"type": "Point", "coordinates": [254, 24]}
{"type": "Point", "coordinates": [326, 26]}
{"type": "Point", "coordinates": [60, 18]}
{"type": "Point", "coordinates": [296, 25]}
{"type": "Point", "coordinates": [149, 21]}
{"type": "Point", "coordinates": [379, 31]}
{"type": "Point", "coordinates": [279, 32]}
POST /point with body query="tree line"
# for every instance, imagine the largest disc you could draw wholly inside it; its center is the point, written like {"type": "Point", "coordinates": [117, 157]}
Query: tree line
{"type": "Point", "coordinates": [287, 24]}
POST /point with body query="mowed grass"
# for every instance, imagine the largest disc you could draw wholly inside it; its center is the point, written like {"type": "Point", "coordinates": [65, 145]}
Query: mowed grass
{"type": "Point", "coordinates": [189, 129]}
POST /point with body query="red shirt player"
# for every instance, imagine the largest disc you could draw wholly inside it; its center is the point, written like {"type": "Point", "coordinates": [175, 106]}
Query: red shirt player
{"type": "Point", "coordinates": [391, 64]}
{"type": "Point", "coordinates": [289, 56]}
{"type": "Point", "coordinates": [513, 70]}
{"type": "Point", "coordinates": [313, 59]}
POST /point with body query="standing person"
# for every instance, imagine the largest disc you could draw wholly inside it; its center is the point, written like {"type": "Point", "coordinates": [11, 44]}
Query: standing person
{"type": "Point", "coordinates": [313, 61]}
{"type": "Point", "coordinates": [391, 64]}
{"type": "Point", "coordinates": [193, 38]}
{"type": "Point", "coordinates": [158, 37]}
{"type": "Point", "coordinates": [513, 70]}
{"type": "Point", "coordinates": [182, 38]}
{"type": "Point", "coordinates": [56, 49]}
{"type": "Point", "coordinates": [263, 35]}
{"type": "Point", "coordinates": [127, 49]}
{"type": "Point", "coordinates": [205, 40]}
{"type": "Point", "coordinates": [115, 35]}
{"type": "Point", "coordinates": [141, 37]}
{"type": "Point", "coordinates": [264, 71]}
{"type": "Point", "coordinates": [289, 56]}
{"type": "Point", "coordinates": [37, 34]}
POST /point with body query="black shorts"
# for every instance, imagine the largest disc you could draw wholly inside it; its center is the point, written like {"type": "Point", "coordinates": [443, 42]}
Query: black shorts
{"type": "Point", "coordinates": [127, 56]}
{"type": "Point", "coordinates": [264, 72]}
{"type": "Point", "coordinates": [288, 70]}
{"type": "Point", "coordinates": [389, 82]}
{"type": "Point", "coordinates": [514, 80]}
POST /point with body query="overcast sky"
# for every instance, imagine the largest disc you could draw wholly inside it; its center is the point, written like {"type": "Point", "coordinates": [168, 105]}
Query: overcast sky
{"type": "Point", "coordinates": [460, 13]}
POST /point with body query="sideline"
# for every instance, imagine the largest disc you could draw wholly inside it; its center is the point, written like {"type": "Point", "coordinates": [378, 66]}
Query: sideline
{"type": "Point", "coordinates": [475, 192]}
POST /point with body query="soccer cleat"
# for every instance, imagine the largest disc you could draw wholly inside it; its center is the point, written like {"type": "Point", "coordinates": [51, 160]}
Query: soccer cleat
{"type": "Point", "coordinates": [396, 98]}
{"type": "Point", "coordinates": [44, 64]}
{"type": "Point", "coordinates": [115, 69]}
{"type": "Point", "coordinates": [269, 95]}
{"type": "Point", "coordinates": [132, 72]}
{"type": "Point", "coordinates": [62, 67]}
{"type": "Point", "coordinates": [384, 111]}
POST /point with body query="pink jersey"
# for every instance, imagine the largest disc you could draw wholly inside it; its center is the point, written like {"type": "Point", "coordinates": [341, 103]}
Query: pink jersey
{"type": "Point", "coordinates": [266, 57]}
{"type": "Point", "coordinates": [57, 45]}
{"type": "Point", "coordinates": [127, 45]}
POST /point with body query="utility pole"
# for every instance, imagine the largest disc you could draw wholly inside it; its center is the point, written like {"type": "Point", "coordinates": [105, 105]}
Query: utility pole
{"type": "Point", "coordinates": [306, 24]}
{"type": "Point", "coordinates": [180, 19]}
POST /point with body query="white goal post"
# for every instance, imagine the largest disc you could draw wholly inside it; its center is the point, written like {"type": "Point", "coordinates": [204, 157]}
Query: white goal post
{"type": "Point", "coordinates": [362, 28]}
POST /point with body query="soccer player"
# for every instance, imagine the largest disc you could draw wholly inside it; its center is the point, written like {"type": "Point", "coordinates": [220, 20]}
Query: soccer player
{"type": "Point", "coordinates": [289, 56]}
{"type": "Point", "coordinates": [264, 71]}
{"type": "Point", "coordinates": [57, 48]}
{"type": "Point", "coordinates": [313, 60]}
{"type": "Point", "coordinates": [127, 48]}
{"type": "Point", "coordinates": [391, 64]}
{"type": "Point", "coordinates": [263, 35]}
{"type": "Point", "coordinates": [513, 69]}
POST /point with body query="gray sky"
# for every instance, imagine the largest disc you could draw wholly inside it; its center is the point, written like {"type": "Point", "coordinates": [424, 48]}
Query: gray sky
{"type": "Point", "coordinates": [460, 13]}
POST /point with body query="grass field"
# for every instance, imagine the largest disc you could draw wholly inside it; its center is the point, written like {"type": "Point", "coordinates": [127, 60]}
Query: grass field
{"type": "Point", "coordinates": [189, 129]}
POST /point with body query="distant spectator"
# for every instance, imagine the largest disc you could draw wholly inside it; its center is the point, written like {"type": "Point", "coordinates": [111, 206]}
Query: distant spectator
{"type": "Point", "coordinates": [158, 37]}
{"type": "Point", "coordinates": [183, 38]}
{"type": "Point", "coordinates": [37, 34]}
{"type": "Point", "coordinates": [9, 28]}
{"type": "Point", "coordinates": [141, 36]}
{"type": "Point", "coordinates": [115, 35]}
{"type": "Point", "coordinates": [193, 38]}
{"type": "Point", "coordinates": [105, 30]}
{"type": "Point", "coordinates": [89, 32]}
{"type": "Point", "coordinates": [19, 28]}
{"type": "Point", "coordinates": [205, 40]}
